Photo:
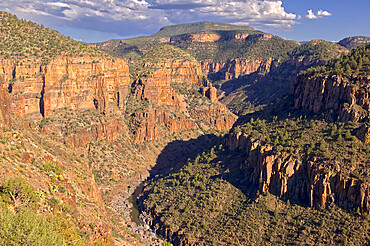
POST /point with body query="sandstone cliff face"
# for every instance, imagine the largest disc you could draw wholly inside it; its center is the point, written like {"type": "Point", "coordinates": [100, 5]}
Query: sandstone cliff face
{"type": "Point", "coordinates": [217, 116]}
{"type": "Point", "coordinates": [316, 184]}
{"type": "Point", "coordinates": [165, 77]}
{"type": "Point", "coordinates": [106, 128]}
{"type": "Point", "coordinates": [347, 101]}
{"type": "Point", "coordinates": [174, 70]}
{"type": "Point", "coordinates": [65, 82]}
{"type": "Point", "coordinates": [151, 120]}
{"type": "Point", "coordinates": [214, 37]}
{"type": "Point", "coordinates": [4, 109]}
{"type": "Point", "coordinates": [167, 65]}
{"type": "Point", "coordinates": [197, 37]}
{"type": "Point", "coordinates": [155, 91]}
{"type": "Point", "coordinates": [232, 69]}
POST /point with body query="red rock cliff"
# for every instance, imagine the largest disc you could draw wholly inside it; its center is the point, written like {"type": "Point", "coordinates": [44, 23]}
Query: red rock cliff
{"type": "Point", "coordinates": [347, 100]}
{"type": "Point", "coordinates": [65, 82]}
{"type": "Point", "coordinates": [232, 69]}
{"type": "Point", "coordinates": [4, 108]}
{"type": "Point", "coordinates": [162, 71]}
{"type": "Point", "coordinates": [291, 178]}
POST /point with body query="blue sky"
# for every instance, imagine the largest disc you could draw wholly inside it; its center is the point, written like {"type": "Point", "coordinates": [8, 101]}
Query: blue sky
{"type": "Point", "coordinates": [349, 18]}
{"type": "Point", "coordinates": [101, 20]}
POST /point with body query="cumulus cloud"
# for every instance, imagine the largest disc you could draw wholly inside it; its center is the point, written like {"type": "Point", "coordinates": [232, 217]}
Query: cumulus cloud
{"type": "Point", "coordinates": [319, 14]}
{"type": "Point", "coordinates": [323, 13]}
{"type": "Point", "coordinates": [130, 17]}
{"type": "Point", "coordinates": [247, 12]}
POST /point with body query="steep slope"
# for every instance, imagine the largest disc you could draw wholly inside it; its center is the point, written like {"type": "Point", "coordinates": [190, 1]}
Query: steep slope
{"type": "Point", "coordinates": [44, 71]}
{"type": "Point", "coordinates": [275, 77]}
{"type": "Point", "coordinates": [5, 106]}
{"type": "Point", "coordinates": [77, 129]}
{"type": "Point", "coordinates": [353, 42]}
{"type": "Point", "coordinates": [42, 74]}
{"type": "Point", "coordinates": [212, 204]}
{"type": "Point", "coordinates": [172, 82]}
{"type": "Point", "coordinates": [248, 67]}
{"type": "Point", "coordinates": [340, 88]}
{"type": "Point", "coordinates": [271, 159]}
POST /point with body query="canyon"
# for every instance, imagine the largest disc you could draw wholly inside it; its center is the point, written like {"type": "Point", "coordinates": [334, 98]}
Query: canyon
{"type": "Point", "coordinates": [295, 179]}
{"type": "Point", "coordinates": [345, 100]}
{"type": "Point", "coordinates": [87, 129]}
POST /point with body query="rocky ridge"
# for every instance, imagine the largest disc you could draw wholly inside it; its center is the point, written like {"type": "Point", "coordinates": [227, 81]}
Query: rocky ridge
{"type": "Point", "coordinates": [165, 76]}
{"type": "Point", "coordinates": [291, 178]}
{"type": "Point", "coordinates": [340, 88]}
{"type": "Point", "coordinates": [345, 100]}
{"type": "Point", "coordinates": [352, 42]}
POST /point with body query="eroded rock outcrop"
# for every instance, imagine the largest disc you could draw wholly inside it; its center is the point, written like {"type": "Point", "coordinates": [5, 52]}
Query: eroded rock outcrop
{"type": "Point", "coordinates": [65, 82]}
{"type": "Point", "coordinates": [311, 182]}
{"type": "Point", "coordinates": [172, 82]}
{"type": "Point", "coordinates": [5, 106]}
{"type": "Point", "coordinates": [345, 100]}
{"type": "Point", "coordinates": [232, 69]}
{"type": "Point", "coordinates": [151, 120]}
{"type": "Point", "coordinates": [219, 117]}
{"type": "Point", "coordinates": [196, 37]}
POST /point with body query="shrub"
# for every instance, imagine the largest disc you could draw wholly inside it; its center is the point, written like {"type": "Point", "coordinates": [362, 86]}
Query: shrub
{"type": "Point", "coordinates": [29, 228]}
{"type": "Point", "coordinates": [17, 192]}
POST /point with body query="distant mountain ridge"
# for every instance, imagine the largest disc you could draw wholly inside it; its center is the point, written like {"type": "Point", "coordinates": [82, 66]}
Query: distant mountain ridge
{"type": "Point", "coordinates": [353, 42]}
{"type": "Point", "coordinates": [241, 61]}
{"type": "Point", "coordinates": [196, 27]}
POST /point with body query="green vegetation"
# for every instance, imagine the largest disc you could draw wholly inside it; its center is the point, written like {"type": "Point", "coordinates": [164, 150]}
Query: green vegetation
{"type": "Point", "coordinates": [353, 42]}
{"type": "Point", "coordinates": [18, 193]}
{"type": "Point", "coordinates": [161, 57]}
{"type": "Point", "coordinates": [23, 40]}
{"type": "Point", "coordinates": [25, 226]}
{"type": "Point", "coordinates": [197, 27]}
{"type": "Point", "coordinates": [206, 203]}
{"type": "Point", "coordinates": [29, 228]}
{"type": "Point", "coordinates": [356, 63]}
{"type": "Point", "coordinates": [254, 46]}
{"type": "Point", "coordinates": [317, 50]}
{"type": "Point", "coordinates": [328, 143]}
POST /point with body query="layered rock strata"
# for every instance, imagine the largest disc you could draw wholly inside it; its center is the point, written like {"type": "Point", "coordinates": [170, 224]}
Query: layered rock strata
{"type": "Point", "coordinates": [316, 184]}
{"type": "Point", "coordinates": [346, 100]}
{"type": "Point", "coordinates": [5, 107]}
{"type": "Point", "coordinates": [151, 120]}
{"type": "Point", "coordinates": [232, 69]}
{"type": "Point", "coordinates": [157, 80]}
{"type": "Point", "coordinates": [65, 82]}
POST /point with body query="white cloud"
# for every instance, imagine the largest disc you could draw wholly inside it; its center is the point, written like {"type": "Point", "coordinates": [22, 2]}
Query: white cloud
{"type": "Point", "coordinates": [127, 17]}
{"type": "Point", "coordinates": [311, 15]}
{"type": "Point", "coordinates": [257, 13]}
{"type": "Point", "coordinates": [320, 13]}
{"type": "Point", "coordinates": [323, 13]}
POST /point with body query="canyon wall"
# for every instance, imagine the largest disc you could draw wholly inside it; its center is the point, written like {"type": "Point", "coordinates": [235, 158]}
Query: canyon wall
{"type": "Point", "coordinates": [232, 69]}
{"type": "Point", "coordinates": [311, 182]}
{"type": "Point", "coordinates": [5, 107]}
{"type": "Point", "coordinates": [345, 100]}
{"type": "Point", "coordinates": [65, 82]}
{"type": "Point", "coordinates": [151, 120]}
{"type": "Point", "coordinates": [106, 128]}
{"type": "Point", "coordinates": [166, 81]}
